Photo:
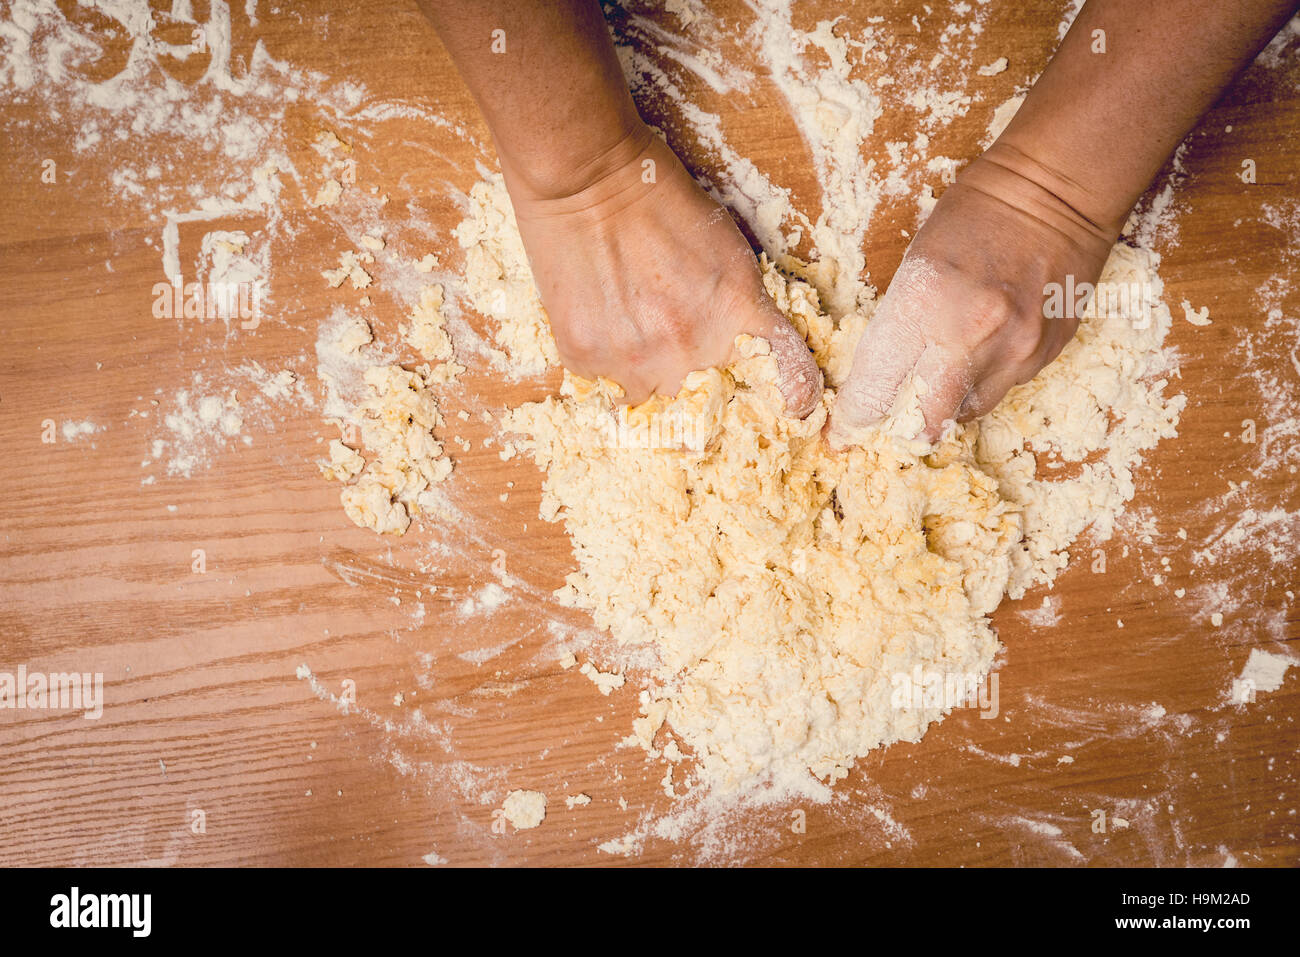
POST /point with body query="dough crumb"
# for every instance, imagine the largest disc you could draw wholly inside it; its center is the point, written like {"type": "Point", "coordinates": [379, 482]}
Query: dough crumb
{"type": "Point", "coordinates": [625, 846]}
{"type": "Point", "coordinates": [1265, 671]}
{"type": "Point", "coordinates": [350, 267]}
{"type": "Point", "coordinates": [1197, 317]}
{"type": "Point", "coordinates": [327, 141]}
{"type": "Point", "coordinates": [525, 809]}
{"type": "Point", "coordinates": [328, 194]}
{"type": "Point", "coordinates": [605, 681]}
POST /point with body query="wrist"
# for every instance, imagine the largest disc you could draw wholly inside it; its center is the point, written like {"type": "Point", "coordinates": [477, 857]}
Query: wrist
{"type": "Point", "coordinates": [1099, 196]}
{"type": "Point", "coordinates": [571, 170]}
{"type": "Point", "coordinates": [1043, 197]}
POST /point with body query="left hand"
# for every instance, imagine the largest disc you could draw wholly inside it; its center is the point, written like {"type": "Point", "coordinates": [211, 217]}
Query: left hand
{"type": "Point", "coordinates": [965, 311]}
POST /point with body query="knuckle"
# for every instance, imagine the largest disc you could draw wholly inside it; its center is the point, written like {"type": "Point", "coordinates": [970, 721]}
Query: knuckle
{"type": "Point", "coordinates": [581, 341]}
{"type": "Point", "coordinates": [991, 310]}
{"type": "Point", "coordinates": [1026, 345]}
{"type": "Point", "coordinates": [680, 333]}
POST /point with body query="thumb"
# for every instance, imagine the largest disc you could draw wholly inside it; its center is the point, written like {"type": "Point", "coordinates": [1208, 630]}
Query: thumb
{"type": "Point", "coordinates": [889, 348]}
{"type": "Point", "coordinates": [798, 376]}
{"type": "Point", "coordinates": [885, 354]}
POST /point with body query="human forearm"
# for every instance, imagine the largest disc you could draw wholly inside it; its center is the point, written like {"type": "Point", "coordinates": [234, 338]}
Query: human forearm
{"type": "Point", "coordinates": [1097, 126]}
{"type": "Point", "coordinates": [965, 312]}
{"type": "Point", "coordinates": [549, 86]}
{"type": "Point", "coordinates": [645, 278]}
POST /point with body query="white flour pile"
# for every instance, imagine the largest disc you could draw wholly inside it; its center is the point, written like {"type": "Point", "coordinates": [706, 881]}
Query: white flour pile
{"type": "Point", "coordinates": [785, 587]}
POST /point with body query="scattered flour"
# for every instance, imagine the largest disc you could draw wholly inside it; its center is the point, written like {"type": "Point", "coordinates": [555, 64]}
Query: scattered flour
{"type": "Point", "coordinates": [1265, 670]}
{"type": "Point", "coordinates": [76, 431]}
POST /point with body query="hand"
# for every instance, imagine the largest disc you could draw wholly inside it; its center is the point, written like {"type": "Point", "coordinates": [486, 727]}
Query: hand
{"type": "Point", "coordinates": [646, 279]}
{"type": "Point", "coordinates": [965, 311]}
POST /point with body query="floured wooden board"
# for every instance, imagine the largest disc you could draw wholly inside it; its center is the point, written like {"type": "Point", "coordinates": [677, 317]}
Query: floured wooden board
{"type": "Point", "coordinates": [282, 687]}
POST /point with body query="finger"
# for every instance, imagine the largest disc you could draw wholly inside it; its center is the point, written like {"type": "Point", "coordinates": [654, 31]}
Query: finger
{"type": "Point", "coordinates": [985, 396]}
{"type": "Point", "coordinates": [632, 388]}
{"type": "Point", "coordinates": [994, 386]}
{"type": "Point", "coordinates": [983, 399]}
{"type": "Point", "coordinates": [945, 381]}
{"type": "Point", "coordinates": [885, 356]}
{"type": "Point", "coordinates": [798, 376]}
{"type": "Point", "coordinates": [890, 346]}
{"type": "Point", "coordinates": [634, 394]}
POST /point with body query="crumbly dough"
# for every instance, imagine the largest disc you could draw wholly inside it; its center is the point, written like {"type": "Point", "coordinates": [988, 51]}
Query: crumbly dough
{"type": "Point", "coordinates": [350, 267]}
{"type": "Point", "coordinates": [344, 463]}
{"type": "Point", "coordinates": [397, 426]}
{"type": "Point", "coordinates": [426, 331]}
{"type": "Point", "coordinates": [525, 809]}
{"type": "Point", "coordinates": [397, 421]}
{"type": "Point", "coordinates": [783, 585]}
{"type": "Point", "coordinates": [500, 282]}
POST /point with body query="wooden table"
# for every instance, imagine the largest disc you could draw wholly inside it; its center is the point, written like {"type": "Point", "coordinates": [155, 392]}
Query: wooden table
{"type": "Point", "coordinates": [205, 719]}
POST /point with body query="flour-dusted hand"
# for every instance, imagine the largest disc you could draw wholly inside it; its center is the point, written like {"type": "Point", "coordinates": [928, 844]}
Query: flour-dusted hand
{"type": "Point", "coordinates": [965, 312]}
{"type": "Point", "coordinates": [646, 279]}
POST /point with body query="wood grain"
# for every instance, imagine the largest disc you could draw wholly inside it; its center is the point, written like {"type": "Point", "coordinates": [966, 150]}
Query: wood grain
{"type": "Point", "coordinates": [203, 707]}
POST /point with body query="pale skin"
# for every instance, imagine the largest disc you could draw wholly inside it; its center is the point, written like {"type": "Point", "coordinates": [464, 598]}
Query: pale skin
{"type": "Point", "coordinates": [645, 278]}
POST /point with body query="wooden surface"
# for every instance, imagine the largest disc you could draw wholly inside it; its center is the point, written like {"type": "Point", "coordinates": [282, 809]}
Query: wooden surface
{"type": "Point", "coordinates": [204, 711]}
